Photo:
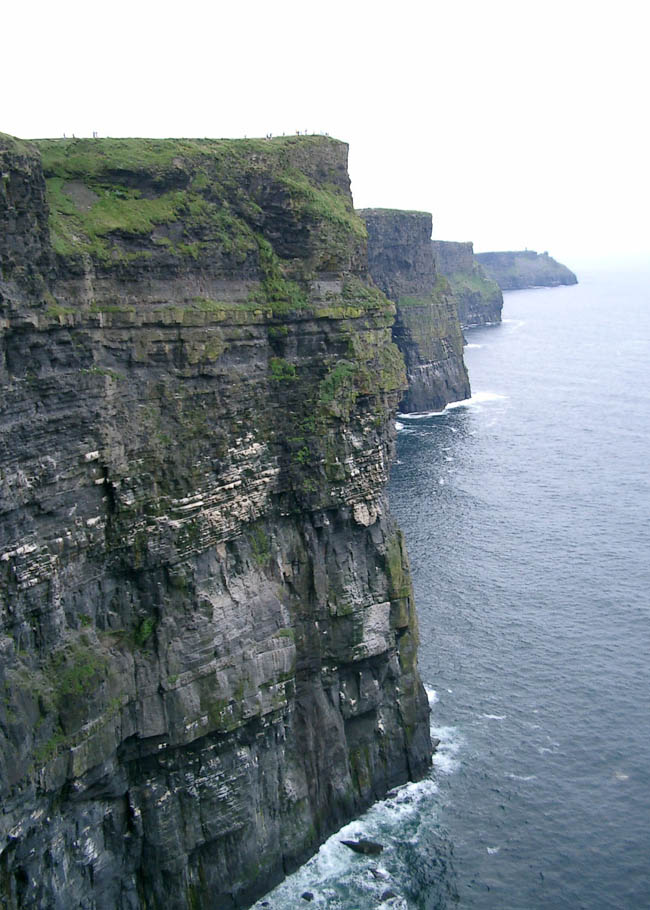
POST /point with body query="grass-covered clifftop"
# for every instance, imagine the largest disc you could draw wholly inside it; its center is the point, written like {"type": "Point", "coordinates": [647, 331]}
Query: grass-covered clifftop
{"type": "Point", "coordinates": [279, 210]}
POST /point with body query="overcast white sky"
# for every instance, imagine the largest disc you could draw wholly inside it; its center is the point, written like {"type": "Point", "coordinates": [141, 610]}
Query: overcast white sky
{"type": "Point", "coordinates": [515, 123]}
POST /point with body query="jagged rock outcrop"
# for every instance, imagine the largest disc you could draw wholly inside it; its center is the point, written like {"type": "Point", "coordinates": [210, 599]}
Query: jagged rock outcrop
{"type": "Point", "coordinates": [525, 269]}
{"type": "Point", "coordinates": [207, 630]}
{"type": "Point", "coordinates": [478, 298]}
{"type": "Point", "coordinates": [426, 330]}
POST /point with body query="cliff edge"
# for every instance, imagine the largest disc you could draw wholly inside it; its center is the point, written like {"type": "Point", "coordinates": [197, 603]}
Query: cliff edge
{"type": "Point", "coordinates": [207, 630]}
{"type": "Point", "coordinates": [525, 269]}
{"type": "Point", "coordinates": [478, 298]}
{"type": "Point", "coordinates": [427, 329]}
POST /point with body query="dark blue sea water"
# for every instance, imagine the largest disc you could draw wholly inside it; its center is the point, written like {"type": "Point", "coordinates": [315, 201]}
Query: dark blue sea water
{"type": "Point", "coordinates": [527, 519]}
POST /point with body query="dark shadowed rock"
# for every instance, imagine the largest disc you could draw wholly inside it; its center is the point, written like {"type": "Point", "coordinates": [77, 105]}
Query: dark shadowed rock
{"type": "Point", "coordinates": [367, 847]}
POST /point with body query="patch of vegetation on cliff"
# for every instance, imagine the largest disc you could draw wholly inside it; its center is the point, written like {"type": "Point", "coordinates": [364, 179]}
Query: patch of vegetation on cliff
{"type": "Point", "coordinates": [281, 295]}
{"type": "Point", "coordinates": [439, 290]}
{"type": "Point", "coordinates": [281, 370]}
{"type": "Point", "coordinates": [473, 282]}
{"type": "Point", "coordinates": [323, 203]}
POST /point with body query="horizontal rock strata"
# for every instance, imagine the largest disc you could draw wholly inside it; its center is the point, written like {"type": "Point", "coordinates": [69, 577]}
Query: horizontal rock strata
{"type": "Point", "coordinates": [207, 630]}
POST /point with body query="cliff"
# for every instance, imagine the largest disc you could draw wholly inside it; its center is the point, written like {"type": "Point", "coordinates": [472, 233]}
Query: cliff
{"type": "Point", "coordinates": [426, 330]}
{"type": "Point", "coordinates": [525, 269]}
{"type": "Point", "coordinates": [207, 629]}
{"type": "Point", "coordinates": [478, 298]}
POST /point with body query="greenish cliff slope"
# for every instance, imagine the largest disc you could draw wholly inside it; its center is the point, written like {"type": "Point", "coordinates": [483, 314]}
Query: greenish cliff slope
{"type": "Point", "coordinates": [207, 630]}
{"type": "Point", "coordinates": [525, 269]}
{"type": "Point", "coordinates": [478, 298]}
{"type": "Point", "coordinates": [427, 330]}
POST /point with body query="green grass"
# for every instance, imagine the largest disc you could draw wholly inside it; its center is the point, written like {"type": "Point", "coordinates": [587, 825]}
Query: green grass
{"type": "Point", "coordinates": [282, 370]}
{"type": "Point", "coordinates": [144, 631]}
{"type": "Point", "coordinates": [210, 188]}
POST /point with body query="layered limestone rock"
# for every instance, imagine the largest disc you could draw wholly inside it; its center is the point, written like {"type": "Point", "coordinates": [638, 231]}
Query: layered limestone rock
{"type": "Point", "coordinates": [478, 298]}
{"type": "Point", "coordinates": [207, 630]}
{"type": "Point", "coordinates": [525, 269]}
{"type": "Point", "coordinates": [426, 330]}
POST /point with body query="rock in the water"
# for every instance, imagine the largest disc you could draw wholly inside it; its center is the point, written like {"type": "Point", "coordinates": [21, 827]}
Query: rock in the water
{"type": "Point", "coordinates": [367, 847]}
{"type": "Point", "coordinates": [307, 896]}
{"type": "Point", "coordinates": [388, 895]}
{"type": "Point", "coordinates": [435, 743]}
{"type": "Point", "coordinates": [380, 874]}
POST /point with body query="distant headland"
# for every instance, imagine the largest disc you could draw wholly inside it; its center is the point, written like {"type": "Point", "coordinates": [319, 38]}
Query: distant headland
{"type": "Point", "coordinates": [525, 269]}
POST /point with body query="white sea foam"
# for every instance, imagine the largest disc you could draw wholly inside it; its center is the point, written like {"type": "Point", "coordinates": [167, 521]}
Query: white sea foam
{"type": "Point", "coordinates": [523, 777]}
{"type": "Point", "coordinates": [478, 399]}
{"type": "Point", "coordinates": [399, 426]}
{"type": "Point", "coordinates": [444, 758]}
{"type": "Point", "coordinates": [420, 415]}
{"type": "Point", "coordinates": [472, 346]}
{"type": "Point", "coordinates": [495, 716]}
{"type": "Point", "coordinates": [492, 850]}
{"type": "Point", "coordinates": [335, 863]}
{"type": "Point", "coordinates": [432, 696]}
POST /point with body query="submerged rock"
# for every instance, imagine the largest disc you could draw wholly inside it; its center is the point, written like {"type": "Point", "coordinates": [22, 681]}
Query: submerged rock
{"type": "Point", "coordinates": [367, 847]}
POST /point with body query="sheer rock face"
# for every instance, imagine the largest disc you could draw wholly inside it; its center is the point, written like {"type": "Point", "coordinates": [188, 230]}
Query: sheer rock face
{"type": "Point", "coordinates": [427, 330]}
{"type": "Point", "coordinates": [525, 269]}
{"type": "Point", "coordinates": [478, 298]}
{"type": "Point", "coordinates": [207, 630]}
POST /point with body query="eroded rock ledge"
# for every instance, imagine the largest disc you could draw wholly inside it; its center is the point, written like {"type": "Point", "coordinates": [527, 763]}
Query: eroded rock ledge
{"type": "Point", "coordinates": [207, 631]}
{"type": "Point", "coordinates": [427, 329]}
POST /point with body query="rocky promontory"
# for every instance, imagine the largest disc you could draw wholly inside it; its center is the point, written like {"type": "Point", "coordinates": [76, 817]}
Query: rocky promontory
{"type": "Point", "coordinates": [427, 329]}
{"type": "Point", "coordinates": [478, 298]}
{"type": "Point", "coordinates": [207, 630]}
{"type": "Point", "coordinates": [525, 269]}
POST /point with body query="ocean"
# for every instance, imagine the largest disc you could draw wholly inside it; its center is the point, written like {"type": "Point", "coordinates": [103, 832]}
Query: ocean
{"type": "Point", "coordinates": [526, 512]}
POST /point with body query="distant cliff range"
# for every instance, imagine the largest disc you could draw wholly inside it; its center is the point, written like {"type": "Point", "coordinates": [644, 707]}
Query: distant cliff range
{"type": "Point", "coordinates": [478, 297]}
{"type": "Point", "coordinates": [525, 269]}
{"type": "Point", "coordinates": [427, 329]}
